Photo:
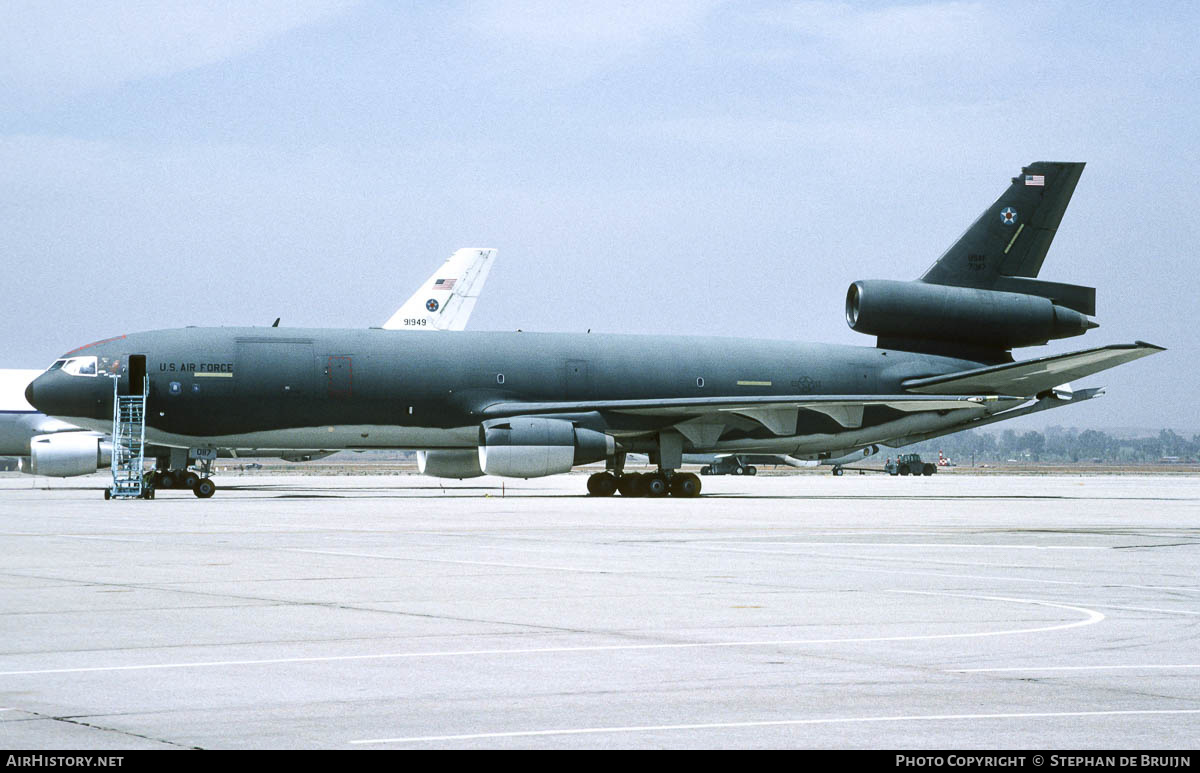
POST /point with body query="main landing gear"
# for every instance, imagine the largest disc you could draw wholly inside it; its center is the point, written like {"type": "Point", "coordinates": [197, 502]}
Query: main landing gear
{"type": "Point", "coordinates": [636, 484]}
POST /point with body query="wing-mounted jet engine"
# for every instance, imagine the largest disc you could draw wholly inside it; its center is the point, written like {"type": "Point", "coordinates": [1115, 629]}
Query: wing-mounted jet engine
{"type": "Point", "coordinates": [523, 447]}
{"type": "Point", "coordinates": [532, 447]}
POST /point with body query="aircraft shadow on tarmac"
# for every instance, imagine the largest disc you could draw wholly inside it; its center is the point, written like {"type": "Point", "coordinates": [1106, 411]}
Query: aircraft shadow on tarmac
{"type": "Point", "coordinates": [489, 492]}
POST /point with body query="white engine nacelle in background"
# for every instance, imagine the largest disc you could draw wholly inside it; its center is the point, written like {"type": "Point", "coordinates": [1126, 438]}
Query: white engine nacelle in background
{"type": "Point", "coordinates": [66, 454]}
{"type": "Point", "coordinates": [850, 457]}
{"type": "Point", "coordinates": [454, 463]}
{"type": "Point", "coordinates": [305, 456]}
{"type": "Point", "coordinates": [532, 447]}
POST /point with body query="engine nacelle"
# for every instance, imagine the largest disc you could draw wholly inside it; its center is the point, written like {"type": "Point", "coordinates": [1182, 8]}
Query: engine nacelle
{"type": "Point", "coordinates": [847, 456]}
{"type": "Point", "coordinates": [531, 447]}
{"type": "Point", "coordinates": [453, 463]}
{"type": "Point", "coordinates": [305, 456]}
{"type": "Point", "coordinates": [67, 454]}
{"type": "Point", "coordinates": [929, 312]}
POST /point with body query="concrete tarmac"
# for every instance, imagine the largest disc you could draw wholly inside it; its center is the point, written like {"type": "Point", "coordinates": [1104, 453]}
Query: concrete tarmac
{"type": "Point", "coordinates": [798, 611]}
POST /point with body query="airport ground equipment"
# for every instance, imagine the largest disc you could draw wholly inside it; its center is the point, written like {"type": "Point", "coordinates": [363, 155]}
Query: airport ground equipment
{"type": "Point", "coordinates": [909, 464]}
{"type": "Point", "coordinates": [129, 444]}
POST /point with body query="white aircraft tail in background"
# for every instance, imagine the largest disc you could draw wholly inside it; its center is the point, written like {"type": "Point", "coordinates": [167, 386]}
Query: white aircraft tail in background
{"type": "Point", "coordinates": [445, 301]}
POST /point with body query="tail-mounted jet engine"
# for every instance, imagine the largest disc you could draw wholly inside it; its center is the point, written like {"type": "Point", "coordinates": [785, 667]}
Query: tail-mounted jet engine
{"type": "Point", "coordinates": [986, 318]}
{"type": "Point", "coordinates": [67, 454]}
{"type": "Point", "coordinates": [530, 447]}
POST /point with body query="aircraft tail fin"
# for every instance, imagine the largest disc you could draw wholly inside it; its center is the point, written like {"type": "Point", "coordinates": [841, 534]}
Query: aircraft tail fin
{"type": "Point", "coordinates": [447, 298]}
{"type": "Point", "coordinates": [1005, 247]}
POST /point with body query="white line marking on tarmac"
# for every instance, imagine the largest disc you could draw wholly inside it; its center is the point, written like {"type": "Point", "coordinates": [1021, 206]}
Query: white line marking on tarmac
{"type": "Point", "coordinates": [1024, 669]}
{"type": "Point", "coordinates": [772, 723]}
{"type": "Point", "coordinates": [1091, 617]}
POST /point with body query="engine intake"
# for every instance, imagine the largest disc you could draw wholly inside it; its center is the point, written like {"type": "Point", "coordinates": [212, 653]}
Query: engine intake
{"type": "Point", "coordinates": [67, 454]}
{"type": "Point", "coordinates": [532, 447]}
{"type": "Point", "coordinates": [929, 312]}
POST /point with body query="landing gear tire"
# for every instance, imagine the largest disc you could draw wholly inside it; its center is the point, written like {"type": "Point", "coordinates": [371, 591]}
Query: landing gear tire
{"type": "Point", "coordinates": [739, 470]}
{"type": "Point", "coordinates": [685, 485]}
{"type": "Point", "coordinates": [751, 470]}
{"type": "Point", "coordinates": [632, 485]}
{"type": "Point", "coordinates": [838, 471]}
{"type": "Point", "coordinates": [602, 484]}
{"type": "Point", "coordinates": [205, 488]}
{"type": "Point", "coordinates": [706, 470]}
{"type": "Point", "coordinates": [189, 481]}
{"type": "Point", "coordinates": [165, 480]}
{"type": "Point", "coordinates": [657, 485]}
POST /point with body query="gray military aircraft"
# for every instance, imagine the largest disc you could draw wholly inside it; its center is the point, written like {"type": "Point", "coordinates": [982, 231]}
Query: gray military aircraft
{"type": "Point", "coordinates": [532, 404]}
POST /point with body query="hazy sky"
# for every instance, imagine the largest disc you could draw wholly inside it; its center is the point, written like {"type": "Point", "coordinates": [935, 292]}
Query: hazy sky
{"type": "Point", "coordinates": [662, 166]}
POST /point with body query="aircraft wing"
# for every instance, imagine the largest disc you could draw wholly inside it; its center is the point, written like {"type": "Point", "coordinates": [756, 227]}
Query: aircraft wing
{"type": "Point", "coordinates": [777, 413]}
{"type": "Point", "coordinates": [1032, 377]}
{"type": "Point", "coordinates": [682, 406]}
{"type": "Point", "coordinates": [447, 298]}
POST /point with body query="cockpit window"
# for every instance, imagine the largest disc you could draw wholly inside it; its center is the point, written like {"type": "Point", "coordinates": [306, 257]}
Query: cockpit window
{"type": "Point", "coordinates": [80, 366]}
{"type": "Point", "coordinates": [57, 365]}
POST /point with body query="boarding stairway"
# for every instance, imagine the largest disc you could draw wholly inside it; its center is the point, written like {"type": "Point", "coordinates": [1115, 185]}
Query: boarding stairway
{"type": "Point", "coordinates": [129, 444]}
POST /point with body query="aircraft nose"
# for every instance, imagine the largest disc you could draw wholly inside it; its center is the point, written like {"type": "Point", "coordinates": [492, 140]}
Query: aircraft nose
{"type": "Point", "coordinates": [38, 394]}
{"type": "Point", "coordinates": [56, 394]}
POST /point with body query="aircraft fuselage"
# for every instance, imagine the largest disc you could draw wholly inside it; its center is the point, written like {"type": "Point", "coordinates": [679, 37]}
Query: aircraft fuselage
{"type": "Point", "coordinates": [280, 388]}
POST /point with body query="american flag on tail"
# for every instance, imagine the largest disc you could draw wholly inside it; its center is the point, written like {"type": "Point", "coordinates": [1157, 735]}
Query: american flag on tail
{"type": "Point", "coordinates": [444, 284]}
